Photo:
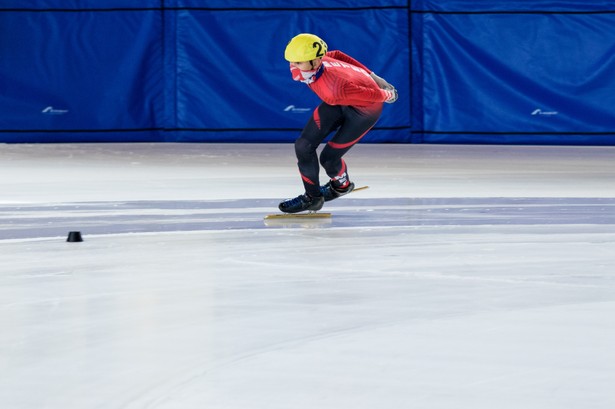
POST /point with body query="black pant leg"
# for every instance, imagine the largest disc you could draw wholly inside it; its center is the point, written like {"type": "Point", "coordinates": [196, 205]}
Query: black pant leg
{"type": "Point", "coordinates": [323, 121]}
{"type": "Point", "coordinates": [356, 123]}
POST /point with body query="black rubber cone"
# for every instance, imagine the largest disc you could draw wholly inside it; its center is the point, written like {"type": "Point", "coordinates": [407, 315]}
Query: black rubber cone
{"type": "Point", "coordinates": [74, 237]}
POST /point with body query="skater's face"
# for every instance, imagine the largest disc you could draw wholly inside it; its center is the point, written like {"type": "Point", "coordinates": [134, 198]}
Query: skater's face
{"type": "Point", "coordinates": [307, 65]}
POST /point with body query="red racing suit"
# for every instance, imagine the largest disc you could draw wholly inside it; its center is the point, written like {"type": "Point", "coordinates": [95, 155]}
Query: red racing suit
{"type": "Point", "coordinates": [352, 103]}
{"type": "Point", "coordinates": [345, 81]}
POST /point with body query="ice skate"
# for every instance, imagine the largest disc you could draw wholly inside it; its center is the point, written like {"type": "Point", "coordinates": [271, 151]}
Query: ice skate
{"type": "Point", "coordinates": [302, 203]}
{"type": "Point", "coordinates": [329, 192]}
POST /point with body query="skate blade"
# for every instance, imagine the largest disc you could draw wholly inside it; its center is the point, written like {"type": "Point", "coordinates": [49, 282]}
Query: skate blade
{"type": "Point", "coordinates": [298, 216]}
{"type": "Point", "coordinates": [306, 216]}
{"type": "Point", "coordinates": [298, 220]}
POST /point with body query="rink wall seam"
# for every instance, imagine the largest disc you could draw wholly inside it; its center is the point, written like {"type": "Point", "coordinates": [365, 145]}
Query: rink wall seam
{"type": "Point", "coordinates": [410, 10]}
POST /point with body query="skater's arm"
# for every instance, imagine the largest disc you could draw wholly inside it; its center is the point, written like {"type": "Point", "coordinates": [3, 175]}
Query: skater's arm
{"type": "Point", "coordinates": [365, 94]}
{"type": "Point", "coordinates": [382, 83]}
{"type": "Point", "coordinates": [339, 55]}
{"type": "Point", "coordinates": [353, 94]}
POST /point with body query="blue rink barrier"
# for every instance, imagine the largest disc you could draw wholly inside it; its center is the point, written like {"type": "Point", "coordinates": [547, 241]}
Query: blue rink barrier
{"type": "Point", "coordinates": [467, 71]}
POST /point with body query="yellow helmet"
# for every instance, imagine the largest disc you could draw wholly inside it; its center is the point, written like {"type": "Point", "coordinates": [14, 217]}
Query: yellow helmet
{"type": "Point", "coordinates": [305, 47]}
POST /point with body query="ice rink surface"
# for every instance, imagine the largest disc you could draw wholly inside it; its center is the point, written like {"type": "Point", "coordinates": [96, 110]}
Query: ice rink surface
{"type": "Point", "coordinates": [475, 277]}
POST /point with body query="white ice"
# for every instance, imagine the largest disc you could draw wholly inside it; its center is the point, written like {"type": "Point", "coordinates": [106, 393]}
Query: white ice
{"type": "Point", "coordinates": [476, 277]}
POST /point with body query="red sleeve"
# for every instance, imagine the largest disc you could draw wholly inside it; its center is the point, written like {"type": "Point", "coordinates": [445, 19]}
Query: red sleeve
{"type": "Point", "coordinates": [338, 55]}
{"type": "Point", "coordinates": [354, 94]}
{"type": "Point", "coordinates": [336, 91]}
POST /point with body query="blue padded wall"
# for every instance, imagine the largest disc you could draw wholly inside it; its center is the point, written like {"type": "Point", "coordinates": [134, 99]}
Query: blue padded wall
{"type": "Point", "coordinates": [468, 71]}
{"type": "Point", "coordinates": [233, 83]}
{"type": "Point", "coordinates": [515, 71]}
{"type": "Point", "coordinates": [79, 74]}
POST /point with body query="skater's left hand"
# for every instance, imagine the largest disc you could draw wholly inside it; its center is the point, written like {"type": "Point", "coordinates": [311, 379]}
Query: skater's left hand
{"type": "Point", "coordinates": [393, 96]}
{"type": "Point", "coordinates": [382, 83]}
